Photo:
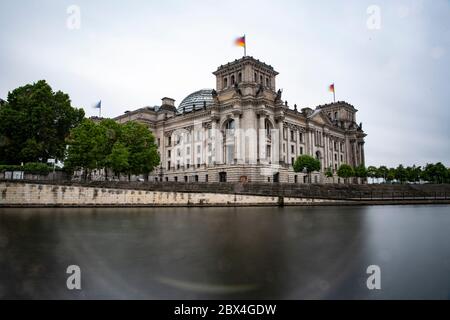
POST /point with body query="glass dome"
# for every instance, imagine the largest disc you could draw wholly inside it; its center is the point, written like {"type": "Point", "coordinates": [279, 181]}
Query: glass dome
{"type": "Point", "coordinates": [197, 98]}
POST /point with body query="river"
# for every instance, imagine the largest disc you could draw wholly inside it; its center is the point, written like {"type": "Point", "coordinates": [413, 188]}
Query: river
{"type": "Point", "coordinates": [226, 253]}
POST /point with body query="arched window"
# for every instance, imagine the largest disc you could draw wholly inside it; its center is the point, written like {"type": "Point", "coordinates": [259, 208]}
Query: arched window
{"type": "Point", "coordinates": [335, 115]}
{"type": "Point", "coordinates": [261, 79]}
{"type": "Point", "coordinates": [240, 77]}
{"type": "Point", "coordinates": [229, 125]}
{"type": "Point", "coordinates": [267, 127]}
{"type": "Point", "coordinates": [225, 82]}
{"type": "Point", "coordinates": [232, 80]}
{"type": "Point", "coordinates": [267, 82]}
{"type": "Point", "coordinates": [256, 77]}
{"type": "Point", "coordinates": [318, 155]}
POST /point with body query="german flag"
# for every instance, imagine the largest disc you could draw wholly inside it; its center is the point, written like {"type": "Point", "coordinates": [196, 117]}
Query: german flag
{"type": "Point", "coordinates": [331, 88]}
{"type": "Point", "coordinates": [240, 42]}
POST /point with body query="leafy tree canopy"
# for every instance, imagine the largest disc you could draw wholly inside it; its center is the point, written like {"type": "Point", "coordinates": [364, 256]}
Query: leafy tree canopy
{"type": "Point", "coordinates": [345, 171]}
{"type": "Point", "coordinates": [125, 148]}
{"type": "Point", "coordinates": [306, 162]}
{"type": "Point", "coordinates": [34, 123]}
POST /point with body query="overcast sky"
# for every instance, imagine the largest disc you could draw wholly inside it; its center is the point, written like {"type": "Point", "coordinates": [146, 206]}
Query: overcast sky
{"type": "Point", "coordinates": [394, 67]}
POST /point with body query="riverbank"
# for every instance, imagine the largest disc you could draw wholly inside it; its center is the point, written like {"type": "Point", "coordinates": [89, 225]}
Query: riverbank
{"type": "Point", "coordinates": [27, 194]}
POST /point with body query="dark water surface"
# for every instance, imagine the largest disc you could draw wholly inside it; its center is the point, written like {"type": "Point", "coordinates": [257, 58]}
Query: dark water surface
{"type": "Point", "coordinates": [226, 253]}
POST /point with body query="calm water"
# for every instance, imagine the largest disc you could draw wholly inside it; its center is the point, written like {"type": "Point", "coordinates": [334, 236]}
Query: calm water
{"type": "Point", "coordinates": [214, 253]}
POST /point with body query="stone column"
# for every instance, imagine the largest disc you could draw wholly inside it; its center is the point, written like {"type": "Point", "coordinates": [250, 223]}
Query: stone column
{"type": "Point", "coordinates": [281, 139]}
{"type": "Point", "coordinates": [262, 139]}
{"type": "Point", "coordinates": [237, 139]}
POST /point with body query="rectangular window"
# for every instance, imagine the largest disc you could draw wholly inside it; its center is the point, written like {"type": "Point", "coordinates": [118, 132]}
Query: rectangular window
{"type": "Point", "coordinates": [301, 150]}
{"type": "Point", "coordinates": [198, 149]}
{"type": "Point", "coordinates": [292, 149]}
{"type": "Point", "coordinates": [188, 150]}
{"type": "Point", "coordinates": [301, 137]}
{"type": "Point", "coordinates": [169, 153]}
{"type": "Point", "coordinates": [292, 135]}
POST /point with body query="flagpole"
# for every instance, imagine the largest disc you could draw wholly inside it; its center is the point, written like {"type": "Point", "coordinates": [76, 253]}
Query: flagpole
{"type": "Point", "coordinates": [334, 93]}
{"type": "Point", "coordinates": [245, 46]}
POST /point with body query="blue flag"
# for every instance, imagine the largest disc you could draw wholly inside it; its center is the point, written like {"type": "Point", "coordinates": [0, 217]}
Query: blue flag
{"type": "Point", "coordinates": [98, 105]}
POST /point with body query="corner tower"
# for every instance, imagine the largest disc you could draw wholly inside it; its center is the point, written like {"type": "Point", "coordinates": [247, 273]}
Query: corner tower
{"type": "Point", "coordinates": [247, 75]}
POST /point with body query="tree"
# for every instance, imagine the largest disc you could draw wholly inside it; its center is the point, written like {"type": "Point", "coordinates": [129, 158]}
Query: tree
{"type": "Point", "coordinates": [413, 173]}
{"type": "Point", "coordinates": [372, 172]}
{"type": "Point", "coordinates": [400, 174]}
{"type": "Point", "coordinates": [85, 148]}
{"type": "Point", "coordinates": [390, 176]}
{"type": "Point", "coordinates": [360, 172]}
{"type": "Point", "coordinates": [382, 172]}
{"type": "Point", "coordinates": [329, 173]}
{"type": "Point", "coordinates": [110, 134]}
{"type": "Point", "coordinates": [436, 173]}
{"type": "Point", "coordinates": [345, 171]}
{"type": "Point", "coordinates": [34, 124]}
{"type": "Point", "coordinates": [118, 158]}
{"type": "Point", "coordinates": [143, 152]}
{"type": "Point", "coordinates": [307, 163]}
{"type": "Point", "coordinates": [125, 148]}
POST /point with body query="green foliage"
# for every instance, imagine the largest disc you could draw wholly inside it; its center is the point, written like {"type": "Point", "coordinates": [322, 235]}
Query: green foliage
{"type": "Point", "coordinates": [345, 171]}
{"type": "Point", "coordinates": [124, 148]}
{"type": "Point", "coordinates": [382, 172]}
{"type": "Point", "coordinates": [435, 173]}
{"type": "Point", "coordinates": [34, 124]}
{"type": "Point", "coordinates": [329, 173]}
{"type": "Point", "coordinates": [390, 176]}
{"type": "Point", "coordinates": [117, 160]}
{"type": "Point", "coordinates": [413, 173]}
{"type": "Point", "coordinates": [306, 162]}
{"type": "Point", "coordinates": [30, 167]}
{"type": "Point", "coordinates": [360, 171]}
{"type": "Point", "coordinates": [85, 146]}
{"type": "Point", "coordinates": [401, 174]}
{"type": "Point", "coordinates": [37, 168]}
{"type": "Point", "coordinates": [372, 172]}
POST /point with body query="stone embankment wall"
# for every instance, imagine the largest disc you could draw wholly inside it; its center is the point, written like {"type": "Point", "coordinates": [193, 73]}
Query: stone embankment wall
{"type": "Point", "coordinates": [31, 194]}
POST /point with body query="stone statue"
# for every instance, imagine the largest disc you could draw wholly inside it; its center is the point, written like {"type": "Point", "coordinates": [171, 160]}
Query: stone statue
{"type": "Point", "coordinates": [237, 90]}
{"type": "Point", "coordinates": [278, 97]}
{"type": "Point", "coordinates": [260, 89]}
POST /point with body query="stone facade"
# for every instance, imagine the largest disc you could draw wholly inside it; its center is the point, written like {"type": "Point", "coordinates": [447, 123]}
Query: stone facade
{"type": "Point", "coordinates": [243, 131]}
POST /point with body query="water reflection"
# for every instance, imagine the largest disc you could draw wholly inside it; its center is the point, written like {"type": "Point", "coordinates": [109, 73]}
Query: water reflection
{"type": "Point", "coordinates": [189, 253]}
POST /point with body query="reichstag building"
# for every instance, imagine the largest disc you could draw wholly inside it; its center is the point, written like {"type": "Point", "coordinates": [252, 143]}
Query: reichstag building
{"type": "Point", "coordinates": [243, 131]}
